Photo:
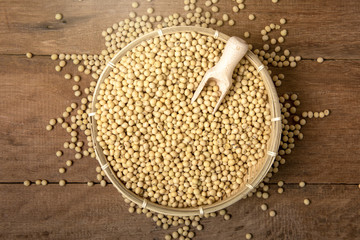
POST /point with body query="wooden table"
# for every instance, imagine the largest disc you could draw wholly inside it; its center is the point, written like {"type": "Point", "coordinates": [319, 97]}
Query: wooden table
{"type": "Point", "coordinates": [32, 93]}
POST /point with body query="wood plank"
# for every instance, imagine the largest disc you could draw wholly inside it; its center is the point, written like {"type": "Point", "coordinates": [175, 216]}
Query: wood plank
{"type": "Point", "coordinates": [328, 154]}
{"type": "Point", "coordinates": [329, 150]}
{"type": "Point", "coordinates": [32, 96]}
{"type": "Point", "coordinates": [80, 212]}
{"type": "Point", "coordinates": [316, 28]}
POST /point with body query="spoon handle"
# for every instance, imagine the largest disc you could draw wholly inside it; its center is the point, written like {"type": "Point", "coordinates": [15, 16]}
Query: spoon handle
{"type": "Point", "coordinates": [235, 50]}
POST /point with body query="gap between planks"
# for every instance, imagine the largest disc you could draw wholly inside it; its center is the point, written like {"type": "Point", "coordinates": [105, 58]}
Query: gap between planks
{"type": "Point", "coordinates": [46, 55]}
{"type": "Point", "coordinates": [289, 184]}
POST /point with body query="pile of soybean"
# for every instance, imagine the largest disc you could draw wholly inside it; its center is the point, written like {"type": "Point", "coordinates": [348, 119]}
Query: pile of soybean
{"type": "Point", "coordinates": [166, 149]}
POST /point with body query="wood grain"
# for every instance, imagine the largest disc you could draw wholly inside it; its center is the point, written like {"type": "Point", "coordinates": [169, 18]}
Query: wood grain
{"type": "Point", "coordinates": [324, 28]}
{"type": "Point", "coordinates": [33, 96]}
{"type": "Point", "coordinates": [329, 144]}
{"type": "Point", "coordinates": [81, 212]}
{"type": "Point", "coordinates": [32, 93]}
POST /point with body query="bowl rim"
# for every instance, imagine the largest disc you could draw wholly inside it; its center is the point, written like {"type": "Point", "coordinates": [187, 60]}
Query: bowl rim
{"type": "Point", "coordinates": [255, 175]}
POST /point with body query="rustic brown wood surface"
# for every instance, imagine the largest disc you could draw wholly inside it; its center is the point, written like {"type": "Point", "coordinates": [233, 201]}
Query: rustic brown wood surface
{"type": "Point", "coordinates": [32, 93]}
